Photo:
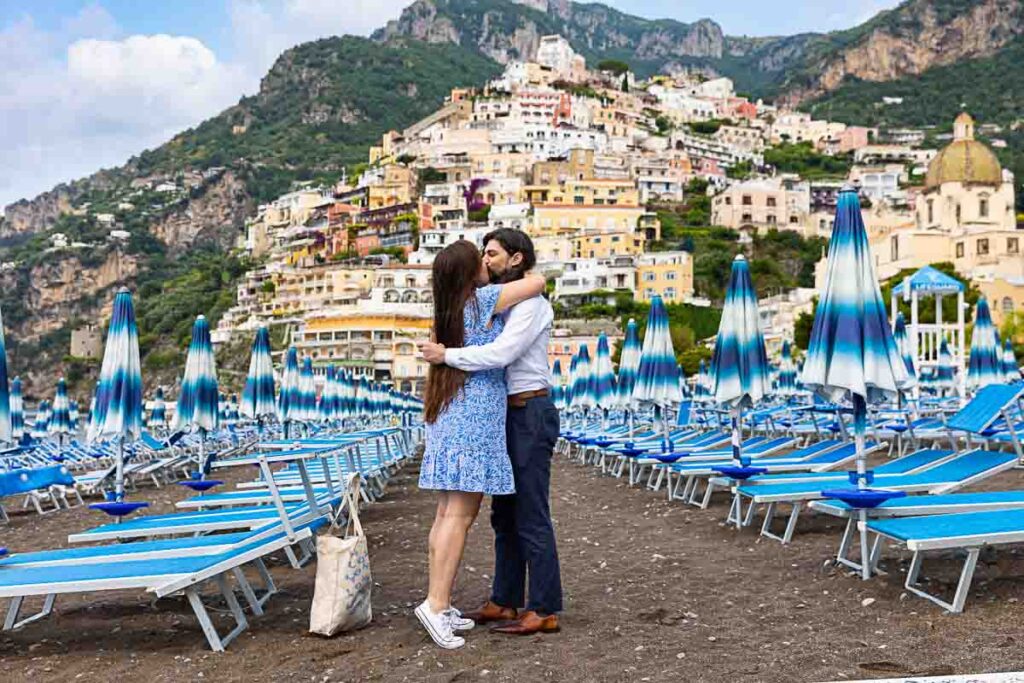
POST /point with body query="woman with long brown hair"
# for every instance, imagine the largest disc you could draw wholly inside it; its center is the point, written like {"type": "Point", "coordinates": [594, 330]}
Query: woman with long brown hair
{"type": "Point", "coordinates": [465, 456]}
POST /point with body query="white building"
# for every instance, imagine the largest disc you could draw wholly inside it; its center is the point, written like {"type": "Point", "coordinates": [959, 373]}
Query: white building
{"type": "Point", "coordinates": [583, 276]}
{"type": "Point", "coordinates": [555, 53]}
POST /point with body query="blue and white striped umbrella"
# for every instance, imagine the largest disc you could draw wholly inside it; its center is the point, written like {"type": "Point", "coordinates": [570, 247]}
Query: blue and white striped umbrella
{"type": "Point", "coordinates": [17, 411]}
{"type": "Point", "coordinates": [118, 411]}
{"type": "Point", "coordinates": [787, 372]}
{"type": "Point", "coordinates": [944, 376]}
{"type": "Point", "coordinates": [198, 404]}
{"type": "Point", "coordinates": [158, 413]}
{"type": "Point", "coordinates": [1010, 367]}
{"type": "Point", "coordinates": [986, 365]}
{"type": "Point", "coordinates": [307, 391]}
{"type": "Point", "coordinates": [73, 414]}
{"type": "Point", "coordinates": [345, 394]}
{"type": "Point", "coordinates": [602, 376]}
{"type": "Point", "coordinates": [700, 382]}
{"type": "Point", "coordinates": [329, 397]}
{"type": "Point", "coordinates": [629, 365]}
{"type": "Point", "coordinates": [581, 396]}
{"type": "Point", "coordinates": [289, 408]}
{"type": "Point", "coordinates": [6, 433]}
{"type": "Point", "coordinates": [656, 377]}
{"type": "Point", "coordinates": [899, 333]}
{"type": "Point", "coordinates": [570, 382]}
{"type": "Point", "coordinates": [258, 393]}
{"type": "Point", "coordinates": [852, 351]}
{"type": "Point", "coordinates": [740, 364]}
{"type": "Point", "coordinates": [60, 420]}
{"type": "Point", "coordinates": [364, 398]}
{"type": "Point", "coordinates": [41, 424]}
{"type": "Point", "coordinates": [558, 385]}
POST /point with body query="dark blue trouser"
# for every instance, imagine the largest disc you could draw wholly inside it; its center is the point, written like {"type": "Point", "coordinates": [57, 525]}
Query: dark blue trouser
{"type": "Point", "coordinates": [524, 539]}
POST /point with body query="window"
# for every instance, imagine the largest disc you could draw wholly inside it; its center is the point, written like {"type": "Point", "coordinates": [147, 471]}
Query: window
{"type": "Point", "coordinates": [649, 277]}
{"type": "Point", "coordinates": [793, 220]}
{"type": "Point", "coordinates": [597, 240]}
{"type": "Point", "coordinates": [670, 293]}
{"type": "Point", "coordinates": [1012, 245]}
{"type": "Point", "coordinates": [1007, 305]}
{"type": "Point", "coordinates": [747, 218]}
{"type": "Point", "coordinates": [958, 214]}
{"type": "Point", "coordinates": [982, 247]}
{"type": "Point", "coordinates": [894, 249]}
{"type": "Point", "coordinates": [983, 207]}
{"type": "Point", "coordinates": [771, 219]}
{"type": "Point", "coordinates": [577, 200]}
{"type": "Point", "coordinates": [931, 211]}
{"type": "Point", "coordinates": [728, 201]}
{"type": "Point", "coordinates": [959, 249]}
{"type": "Point", "coordinates": [615, 238]}
{"type": "Point", "coordinates": [746, 200]}
{"type": "Point", "coordinates": [670, 275]}
{"type": "Point", "coordinates": [771, 201]}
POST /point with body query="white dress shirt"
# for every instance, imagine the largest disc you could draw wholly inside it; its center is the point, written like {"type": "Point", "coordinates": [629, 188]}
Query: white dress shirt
{"type": "Point", "coordinates": [521, 348]}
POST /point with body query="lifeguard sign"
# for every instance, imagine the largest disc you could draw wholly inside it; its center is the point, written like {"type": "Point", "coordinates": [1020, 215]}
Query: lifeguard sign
{"type": "Point", "coordinates": [925, 339]}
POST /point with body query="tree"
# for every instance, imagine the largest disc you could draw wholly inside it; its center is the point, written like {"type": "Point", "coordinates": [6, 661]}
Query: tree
{"type": "Point", "coordinates": [614, 66]}
{"type": "Point", "coordinates": [664, 124]}
{"type": "Point", "coordinates": [802, 329]}
{"type": "Point", "coordinates": [625, 82]}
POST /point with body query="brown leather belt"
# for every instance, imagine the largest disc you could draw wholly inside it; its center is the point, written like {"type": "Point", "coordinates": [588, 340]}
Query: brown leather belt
{"type": "Point", "coordinates": [519, 400]}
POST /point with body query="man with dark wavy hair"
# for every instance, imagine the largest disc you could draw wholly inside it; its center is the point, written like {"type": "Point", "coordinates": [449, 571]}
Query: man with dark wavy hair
{"type": "Point", "coordinates": [524, 537]}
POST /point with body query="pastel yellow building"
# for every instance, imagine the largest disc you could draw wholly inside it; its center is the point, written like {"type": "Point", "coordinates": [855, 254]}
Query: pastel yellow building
{"type": "Point", "coordinates": [667, 273]}
{"type": "Point", "coordinates": [607, 244]}
{"type": "Point", "coordinates": [569, 220]}
{"type": "Point", "coordinates": [398, 186]}
{"type": "Point", "coordinates": [1005, 296]}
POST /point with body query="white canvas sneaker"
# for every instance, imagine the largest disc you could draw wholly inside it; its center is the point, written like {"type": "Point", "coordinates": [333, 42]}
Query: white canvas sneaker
{"type": "Point", "coordinates": [439, 626]}
{"type": "Point", "coordinates": [459, 622]}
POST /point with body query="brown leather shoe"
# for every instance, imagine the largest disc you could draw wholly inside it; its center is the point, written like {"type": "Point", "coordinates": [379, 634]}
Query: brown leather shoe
{"type": "Point", "coordinates": [529, 623]}
{"type": "Point", "coordinates": [491, 612]}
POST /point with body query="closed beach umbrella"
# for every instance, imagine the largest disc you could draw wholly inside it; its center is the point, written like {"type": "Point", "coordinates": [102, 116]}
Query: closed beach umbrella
{"type": "Point", "coordinates": [787, 372]}
{"type": "Point", "coordinates": [629, 365]}
{"type": "Point", "coordinates": [73, 414]}
{"type": "Point", "coordinates": [288, 406]}
{"type": "Point", "coordinates": [258, 394]}
{"type": "Point", "coordinates": [571, 380]}
{"type": "Point", "coordinates": [17, 408]}
{"type": "Point", "coordinates": [602, 376]}
{"type": "Point", "coordinates": [739, 365]}
{"type": "Point", "coordinates": [198, 404]}
{"type": "Point", "coordinates": [6, 432]}
{"type": "Point", "coordinates": [118, 411]}
{"type": "Point", "coordinates": [60, 420]}
{"type": "Point", "coordinates": [582, 398]}
{"type": "Point", "coordinates": [557, 385]}
{"type": "Point", "coordinates": [899, 333]}
{"type": "Point", "coordinates": [985, 365]}
{"type": "Point", "coordinates": [329, 396]}
{"type": "Point", "coordinates": [41, 426]}
{"type": "Point", "coordinates": [852, 352]}
{"type": "Point", "coordinates": [656, 381]}
{"type": "Point", "coordinates": [944, 377]}
{"type": "Point", "coordinates": [1010, 368]}
{"type": "Point", "coordinates": [158, 414]}
{"type": "Point", "coordinates": [307, 391]}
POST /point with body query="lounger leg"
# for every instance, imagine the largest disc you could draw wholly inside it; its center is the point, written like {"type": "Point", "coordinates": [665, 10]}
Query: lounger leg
{"type": "Point", "coordinates": [794, 515]}
{"type": "Point", "coordinates": [865, 551]}
{"type": "Point", "coordinates": [11, 621]}
{"type": "Point", "coordinates": [3, 516]}
{"type": "Point", "coordinates": [269, 588]}
{"type": "Point", "coordinates": [735, 515]}
{"type": "Point", "coordinates": [962, 588]}
{"type": "Point", "coordinates": [749, 517]}
{"type": "Point", "coordinates": [247, 592]}
{"type": "Point", "coordinates": [787, 536]}
{"type": "Point", "coordinates": [844, 543]}
{"type": "Point", "coordinates": [709, 488]}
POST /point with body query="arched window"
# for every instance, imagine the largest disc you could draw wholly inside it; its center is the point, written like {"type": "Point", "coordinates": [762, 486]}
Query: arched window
{"type": "Point", "coordinates": [894, 248]}
{"type": "Point", "coordinates": [983, 206]}
{"type": "Point", "coordinates": [931, 211]}
{"type": "Point", "coordinates": [1007, 305]}
{"type": "Point", "coordinates": [409, 296]}
{"type": "Point", "coordinates": [391, 296]}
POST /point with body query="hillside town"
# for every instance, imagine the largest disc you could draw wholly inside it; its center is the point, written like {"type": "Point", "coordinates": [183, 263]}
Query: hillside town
{"type": "Point", "coordinates": [580, 158]}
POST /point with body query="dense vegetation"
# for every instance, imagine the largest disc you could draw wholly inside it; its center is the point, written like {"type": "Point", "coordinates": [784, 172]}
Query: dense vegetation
{"type": "Point", "coordinates": [803, 159]}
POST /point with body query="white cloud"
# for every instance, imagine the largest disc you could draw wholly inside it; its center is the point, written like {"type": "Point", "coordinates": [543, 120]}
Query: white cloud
{"type": "Point", "coordinates": [85, 96]}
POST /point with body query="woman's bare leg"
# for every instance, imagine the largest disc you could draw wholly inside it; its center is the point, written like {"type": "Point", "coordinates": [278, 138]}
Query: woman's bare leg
{"type": "Point", "coordinates": [448, 541]}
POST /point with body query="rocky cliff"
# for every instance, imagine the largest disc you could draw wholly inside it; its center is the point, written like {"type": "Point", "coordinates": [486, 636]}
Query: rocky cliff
{"type": "Point", "coordinates": [215, 215]}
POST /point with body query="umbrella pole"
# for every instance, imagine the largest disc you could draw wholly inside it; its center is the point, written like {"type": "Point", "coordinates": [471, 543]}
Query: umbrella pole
{"type": "Point", "coordinates": [202, 453]}
{"type": "Point", "coordinates": [860, 410]}
{"type": "Point", "coordinates": [737, 458]}
{"type": "Point", "coordinates": [119, 475]}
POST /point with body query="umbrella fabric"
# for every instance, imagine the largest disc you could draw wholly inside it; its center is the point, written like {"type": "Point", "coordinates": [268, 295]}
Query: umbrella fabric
{"type": "Point", "coordinates": [1010, 368]}
{"type": "Point", "coordinates": [602, 376]}
{"type": "Point", "coordinates": [42, 422]}
{"type": "Point", "coordinates": [571, 383]}
{"type": "Point", "coordinates": [986, 364]}
{"type": "Point", "coordinates": [5, 400]}
{"type": "Point", "coordinates": [899, 333]}
{"type": "Point", "coordinates": [700, 386]}
{"type": "Point", "coordinates": [60, 420]}
{"type": "Point", "coordinates": [557, 385]}
{"type": "Point", "coordinates": [73, 415]}
{"type": "Point", "coordinates": [329, 396]}
{"type": "Point", "coordinates": [17, 411]}
{"type": "Point", "coordinates": [198, 404]}
{"type": "Point", "coordinates": [852, 350]}
{"type": "Point", "coordinates": [158, 413]}
{"type": "Point", "coordinates": [307, 391]}
{"type": "Point", "coordinates": [364, 400]}
{"type": "Point", "coordinates": [258, 393]}
{"type": "Point", "coordinates": [629, 365]}
{"type": "Point", "coordinates": [787, 372]}
{"type": "Point", "coordinates": [118, 410]}
{"type": "Point", "coordinates": [289, 408]}
{"type": "Point", "coordinates": [739, 365]}
{"type": "Point", "coordinates": [581, 396]}
{"type": "Point", "coordinates": [944, 376]}
{"type": "Point", "coordinates": [656, 377]}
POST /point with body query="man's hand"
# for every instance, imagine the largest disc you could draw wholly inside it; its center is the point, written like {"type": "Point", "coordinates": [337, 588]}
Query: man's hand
{"type": "Point", "coordinates": [432, 353]}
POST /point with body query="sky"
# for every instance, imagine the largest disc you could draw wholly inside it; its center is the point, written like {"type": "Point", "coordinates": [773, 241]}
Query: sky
{"type": "Point", "coordinates": [85, 84]}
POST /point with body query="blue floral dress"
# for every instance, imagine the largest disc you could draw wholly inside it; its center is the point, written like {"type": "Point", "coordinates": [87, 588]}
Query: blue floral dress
{"type": "Point", "coordinates": [465, 448]}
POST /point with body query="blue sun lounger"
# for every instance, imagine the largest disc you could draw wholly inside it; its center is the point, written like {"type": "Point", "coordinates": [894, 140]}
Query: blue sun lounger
{"type": "Point", "coordinates": [918, 461]}
{"type": "Point", "coordinates": [969, 531]}
{"type": "Point", "coordinates": [963, 470]}
{"type": "Point", "coordinates": [36, 484]}
{"type": "Point", "coordinates": [172, 572]}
